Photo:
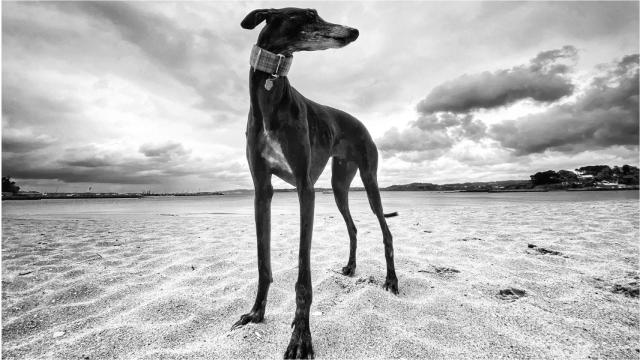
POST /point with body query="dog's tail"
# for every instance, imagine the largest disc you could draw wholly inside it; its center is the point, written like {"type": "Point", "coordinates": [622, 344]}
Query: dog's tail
{"type": "Point", "coordinates": [395, 213]}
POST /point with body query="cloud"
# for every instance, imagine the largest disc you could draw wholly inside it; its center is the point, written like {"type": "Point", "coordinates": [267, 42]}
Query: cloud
{"type": "Point", "coordinates": [165, 151]}
{"type": "Point", "coordinates": [154, 164]}
{"type": "Point", "coordinates": [133, 41]}
{"type": "Point", "coordinates": [544, 80]}
{"type": "Point", "coordinates": [431, 135]}
{"type": "Point", "coordinates": [185, 53]}
{"type": "Point", "coordinates": [605, 115]}
{"type": "Point", "coordinates": [155, 35]}
{"type": "Point", "coordinates": [462, 126]}
{"type": "Point", "coordinates": [407, 140]}
{"type": "Point", "coordinates": [26, 106]}
{"type": "Point", "coordinates": [533, 22]}
{"type": "Point", "coordinates": [24, 140]}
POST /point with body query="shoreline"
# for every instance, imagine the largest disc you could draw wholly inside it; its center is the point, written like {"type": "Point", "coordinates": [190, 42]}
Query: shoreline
{"type": "Point", "coordinates": [321, 190]}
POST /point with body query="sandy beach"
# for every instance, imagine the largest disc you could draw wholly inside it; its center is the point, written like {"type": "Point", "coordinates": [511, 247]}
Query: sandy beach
{"type": "Point", "coordinates": [542, 276]}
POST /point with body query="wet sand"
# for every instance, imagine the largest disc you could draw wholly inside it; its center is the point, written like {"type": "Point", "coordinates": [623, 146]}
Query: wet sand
{"type": "Point", "coordinates": [478, 279]}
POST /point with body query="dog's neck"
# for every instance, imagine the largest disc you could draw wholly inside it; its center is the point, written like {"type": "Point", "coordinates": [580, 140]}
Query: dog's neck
{"type": "Point", "coordinates": [268, 86]}
{"type": "Point", "coordinates": [273, 64]}
{"type": "Point", "coordinates": [268, 83]}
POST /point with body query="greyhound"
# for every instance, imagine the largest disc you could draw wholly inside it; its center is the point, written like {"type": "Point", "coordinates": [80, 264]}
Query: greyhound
{"type": "Point", "coordinates": [293, 138]}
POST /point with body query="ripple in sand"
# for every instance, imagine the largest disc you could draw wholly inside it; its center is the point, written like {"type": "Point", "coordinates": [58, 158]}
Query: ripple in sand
{"type": "Point", "coordinates": [21, 306]}
{"type": "Point", "coordinates": [105, 343]}
{"type": "Point", "coordinates": [26, 325]}
{"type": "Point", "coordinates": [169, 309]}
{"type": "Point", "coordinates": [406, 347]}
{"type": "Point", "coordinates": [75, 293]}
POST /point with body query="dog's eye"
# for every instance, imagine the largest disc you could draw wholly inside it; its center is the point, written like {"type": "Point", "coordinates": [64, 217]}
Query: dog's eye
{"type": "Point", "coordinates": [311, 14]}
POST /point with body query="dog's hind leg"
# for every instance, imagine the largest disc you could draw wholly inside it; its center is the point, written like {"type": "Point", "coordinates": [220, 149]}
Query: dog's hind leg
{"type": "Point", "coordinates": [342, 173]}
{"type": "Point", "coordinates": [262, 204]}
{"type": "Point", "coordinates": [369, 179]}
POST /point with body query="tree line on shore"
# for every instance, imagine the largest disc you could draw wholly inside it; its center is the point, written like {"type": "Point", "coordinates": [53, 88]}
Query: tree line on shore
{"type": "Point", "coordinates": [9, 186]}
{"type": "Point", "coordinates": [587, 176]}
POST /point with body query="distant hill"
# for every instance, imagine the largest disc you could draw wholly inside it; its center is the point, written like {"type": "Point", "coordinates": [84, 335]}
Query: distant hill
{"type": "Point", "coordinates": [468, 186]}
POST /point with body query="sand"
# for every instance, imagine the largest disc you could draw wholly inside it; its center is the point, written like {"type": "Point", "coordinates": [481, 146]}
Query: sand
{"type": "Point", "coordinates": [473, 282]}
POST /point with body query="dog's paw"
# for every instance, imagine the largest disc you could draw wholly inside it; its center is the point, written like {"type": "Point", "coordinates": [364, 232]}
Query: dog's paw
{"type": "Point", "coordinates": [349, 270]}
{"type": "Point", "coordinates": [300, 346]}
{"type": "Point", "coordinates": [247, 318]}
{"type": "Point", "coordinates": [391, 285]}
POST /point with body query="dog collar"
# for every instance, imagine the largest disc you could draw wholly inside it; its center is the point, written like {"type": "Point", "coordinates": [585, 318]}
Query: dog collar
{"type": "Point", "coordinates": [274, 64]}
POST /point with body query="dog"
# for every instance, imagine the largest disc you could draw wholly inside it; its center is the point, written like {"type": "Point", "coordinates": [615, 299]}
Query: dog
{"type": "Point", "coordinates": [292, 137]}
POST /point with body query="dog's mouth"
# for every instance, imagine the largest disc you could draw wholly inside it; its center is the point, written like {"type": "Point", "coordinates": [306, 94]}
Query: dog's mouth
{"type": "Point", "coordinates": [343, 33]}
{"type": "Point", "coordinates": [344, 40]}
{"type": "Point", "coordinates": [333, 36]}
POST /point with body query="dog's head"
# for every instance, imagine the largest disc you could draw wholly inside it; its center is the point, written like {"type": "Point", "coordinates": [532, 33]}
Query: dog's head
{"type": "Point", "coordinates": [291, 29]}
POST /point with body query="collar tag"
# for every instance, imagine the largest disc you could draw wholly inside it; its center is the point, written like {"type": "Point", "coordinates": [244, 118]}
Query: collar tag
{"type": "Point", "coordinates": [268, 84]}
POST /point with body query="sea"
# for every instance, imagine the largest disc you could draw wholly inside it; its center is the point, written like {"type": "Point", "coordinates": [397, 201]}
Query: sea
{"type": "Point", "coordinates": [286, 203]}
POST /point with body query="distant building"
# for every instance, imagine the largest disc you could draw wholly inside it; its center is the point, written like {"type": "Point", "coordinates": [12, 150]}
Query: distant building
{"type": "Point", "coordinates": [606, 184]}
{"type": "Point", "coordinates": [583, 177]}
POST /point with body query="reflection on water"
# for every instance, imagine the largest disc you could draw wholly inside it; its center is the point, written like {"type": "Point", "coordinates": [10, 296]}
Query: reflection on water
{"type": "Point", "coordinates": [287, 203]}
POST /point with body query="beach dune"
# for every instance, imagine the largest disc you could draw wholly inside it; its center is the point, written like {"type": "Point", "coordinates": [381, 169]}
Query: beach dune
{"type": "Point", "coordinates": [480, 276]}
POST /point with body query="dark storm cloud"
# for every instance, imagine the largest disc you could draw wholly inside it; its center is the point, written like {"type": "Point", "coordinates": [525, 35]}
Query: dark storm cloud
{"type": "Point", "coordinates": [30, 166]}
{"type": "Point", "coordinates": [605, 115]}
{"type": "Point", "coordinates": [542, 80]}
{"type": "Point", "coordinates": [23, 141]}
{"type": "Point", "coordinates": [81, 175]}
{"type": "Point", "coordinates": [90, 164]}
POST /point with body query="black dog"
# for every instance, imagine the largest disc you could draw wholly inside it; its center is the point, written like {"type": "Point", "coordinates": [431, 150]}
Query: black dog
{"type": "Point", "coordinates": [293, 138]}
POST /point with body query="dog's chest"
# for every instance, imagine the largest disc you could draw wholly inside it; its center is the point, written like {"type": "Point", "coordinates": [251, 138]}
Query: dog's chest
{"type": "Point", "coordinates": [271, 151]}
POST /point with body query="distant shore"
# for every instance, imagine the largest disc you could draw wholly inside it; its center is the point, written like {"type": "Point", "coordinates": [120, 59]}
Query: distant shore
{"type": "Point", "coordinates": [32, 195]}
{"type": "Point", "coordinates": [68, 196]}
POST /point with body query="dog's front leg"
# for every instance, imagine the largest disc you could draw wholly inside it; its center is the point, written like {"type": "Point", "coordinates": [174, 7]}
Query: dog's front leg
{"type": "Point", "coordinates": [262, 205]}
{"type": "Point", "coordinates": [300, 346]}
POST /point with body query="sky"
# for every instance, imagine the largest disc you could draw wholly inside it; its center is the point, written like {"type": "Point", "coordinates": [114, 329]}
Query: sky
{"type": "Point", "coordinates": [137, 96]}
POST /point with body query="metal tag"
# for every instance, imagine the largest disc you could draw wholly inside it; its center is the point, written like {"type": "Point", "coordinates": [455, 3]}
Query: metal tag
{"type": "Point", "coordinates": [268, 84]}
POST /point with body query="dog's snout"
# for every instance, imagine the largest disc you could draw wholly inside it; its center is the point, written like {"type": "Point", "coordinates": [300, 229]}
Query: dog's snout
{"type": "Point", "coordinates": [353, 33]}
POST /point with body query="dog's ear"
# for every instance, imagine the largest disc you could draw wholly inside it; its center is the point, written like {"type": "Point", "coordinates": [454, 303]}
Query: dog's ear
{"type": "Point", "coordinates": [256, 17]}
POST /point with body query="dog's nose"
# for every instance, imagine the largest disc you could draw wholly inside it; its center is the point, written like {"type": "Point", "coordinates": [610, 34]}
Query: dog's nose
{"type": "Point", "coordinates": [353, 33]}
